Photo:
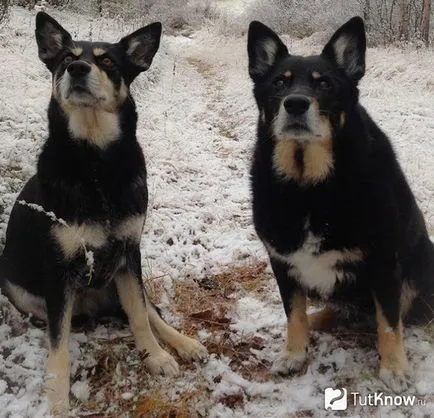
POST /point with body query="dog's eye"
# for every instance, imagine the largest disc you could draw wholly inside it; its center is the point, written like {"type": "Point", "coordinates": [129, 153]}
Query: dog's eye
{"type": "Point", "coordinates": [68, 59]}
{"type": "Point", "coordinates": [281, 82]}
{"type": "Point", "coordinates": [107, 62]}
{"type": "Point", "coordinates": [324, 84]}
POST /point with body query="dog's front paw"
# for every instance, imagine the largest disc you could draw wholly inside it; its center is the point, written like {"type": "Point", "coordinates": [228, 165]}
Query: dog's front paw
{"type": "Point", "coordinates": [288, 362]}
{"type": "Point", "coordinates": [57, 391]}
{"type": "Point", "coordinates": [161, 362]}
{"type": "Point", "coordinates": [397, 380]}
{"type": "Point", "coordinates": [190, 349]}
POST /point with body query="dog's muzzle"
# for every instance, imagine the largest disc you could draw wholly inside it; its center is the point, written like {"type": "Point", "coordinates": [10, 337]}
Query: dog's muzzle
{"type": "Point", "coordinates": [78, 69]}
{"type": "Point", "coordinates": [296, 105]}
{"type": "Point", "coordinates": [298, 118]}
{"type": "Point", "coordinates": [78, 72]}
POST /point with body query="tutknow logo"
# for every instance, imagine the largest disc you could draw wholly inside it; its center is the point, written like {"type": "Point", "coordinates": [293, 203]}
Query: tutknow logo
{"type": "Point", "coordinates": [337, 399]}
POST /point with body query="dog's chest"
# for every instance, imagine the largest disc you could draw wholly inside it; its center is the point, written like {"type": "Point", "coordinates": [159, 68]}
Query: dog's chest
{"type": "Point", "coordinates": [75, 237]}
{"type": "Point", "coordinates": [316, 269]}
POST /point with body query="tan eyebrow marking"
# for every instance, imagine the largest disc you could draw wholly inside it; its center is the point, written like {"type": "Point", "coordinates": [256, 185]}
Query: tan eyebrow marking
{"type": "Point", "coordinates": [316, 75]}
{"type": "Point", "coordinates": [77, 51]}
{"type": "Point", "coordinates": [99, 51]}
{"type": "Point", "coordinates": [288, 74]}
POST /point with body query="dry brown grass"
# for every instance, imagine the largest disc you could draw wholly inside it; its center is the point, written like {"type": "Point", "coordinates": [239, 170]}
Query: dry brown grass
{"type": "Point", "coordinates": [156, 405]}
{"type": "Point", "coordinates": [209, 305]}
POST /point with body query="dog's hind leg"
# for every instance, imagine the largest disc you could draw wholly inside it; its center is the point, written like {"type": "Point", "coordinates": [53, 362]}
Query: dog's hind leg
{"type": "Point", "coordinates": [130, 291]}
{"type": "Point", "coordinates": [419, 293]}
{"type": "Point", "coordinates": [186, 347]}
{"type": "Point", "coordinates": [394, 368]}
{"type": "Point", "coordinates": [59, 309]}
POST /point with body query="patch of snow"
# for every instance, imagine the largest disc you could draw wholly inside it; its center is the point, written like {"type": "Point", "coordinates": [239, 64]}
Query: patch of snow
{"type": "Point", "coordinates": [80, 390]}
{"type": "Point", "coordinates": [127, 396]}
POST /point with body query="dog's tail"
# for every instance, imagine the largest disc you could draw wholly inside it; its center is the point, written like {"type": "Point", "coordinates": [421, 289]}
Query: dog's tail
{"type": "Point", "coordinates": [422, 309]}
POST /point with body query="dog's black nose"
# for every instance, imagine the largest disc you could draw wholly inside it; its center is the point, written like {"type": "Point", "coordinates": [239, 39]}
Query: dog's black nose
{"type": "Point", "coordinates": [78, 69]}
{"type": "Point", "coordinates": [296, 105]}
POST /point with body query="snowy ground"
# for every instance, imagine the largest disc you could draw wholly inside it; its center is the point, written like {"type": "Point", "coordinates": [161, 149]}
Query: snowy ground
{"type": "Point", "coordinates": [196, 126]}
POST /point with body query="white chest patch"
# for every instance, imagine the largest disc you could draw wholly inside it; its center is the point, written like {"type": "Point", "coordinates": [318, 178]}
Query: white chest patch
{"type": "Point", "coordinates": [314, 270]}
{"type": "Point", "coordinates": [73, 237]}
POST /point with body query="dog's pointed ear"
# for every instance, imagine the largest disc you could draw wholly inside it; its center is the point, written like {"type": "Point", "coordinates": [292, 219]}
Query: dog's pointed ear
{"type": "Point", "coordinates": [141, 46]}
{"type": "Point", "coordinates": [347, 48]}
{"type": "Point", "coordinates": [51, 38]}
{"type": "Point", "coordinates": [264, 48]}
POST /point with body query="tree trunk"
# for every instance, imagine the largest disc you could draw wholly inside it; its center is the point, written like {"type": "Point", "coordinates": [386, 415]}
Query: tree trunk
{"type": "Point", "coordinates": [424, 25]}
{"type": "Point", "coordinates": [404, 26]}
{"type": "Point", "coordinates": [99, 6]}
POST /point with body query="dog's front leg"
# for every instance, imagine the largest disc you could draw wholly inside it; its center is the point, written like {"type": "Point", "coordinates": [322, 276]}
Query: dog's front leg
{"type": "Point", "coordinates": [187, 348]}
{"type": "Point", "coordinates": [133, 302]}
{"type": "Point", "coordinates": [60, 301]}
{"type": "Point", "coordinates": [394, 368]}
{"type": "Point", "coordinates": [294, 354]}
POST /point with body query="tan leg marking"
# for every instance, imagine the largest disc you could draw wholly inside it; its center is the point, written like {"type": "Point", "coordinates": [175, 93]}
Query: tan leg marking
{"type": "Point", "coordinates": [322, 320]}
{"type": "Point", "coordinates": [58, 367]}
{"type": "Point", "coordinates": [408, 294]}
{"type": "Point", "coordinates": [394, 369]}
{"type": "Point", "coordinates": [25, 301]}
{"type": "Point", "coordinates": [186, 347]}
{"type": "Point", "coordinates": [133, 303]}
{"type": "Point", "coordinates": [293, 355]}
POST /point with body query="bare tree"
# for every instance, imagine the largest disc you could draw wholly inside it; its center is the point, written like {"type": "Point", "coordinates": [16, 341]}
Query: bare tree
{"type": "Point", "coordinates": [404, 26]}
{"type": "Point", "coordinates": [424, 25]}
{"type": "Point", "coordinates": [4, 5]}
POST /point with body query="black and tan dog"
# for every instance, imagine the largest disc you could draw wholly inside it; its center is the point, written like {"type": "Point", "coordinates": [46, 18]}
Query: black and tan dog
{"type": "Point", "coordinates": [330, 201]}
{"type": "Point", "coordinates": [83, 259]}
